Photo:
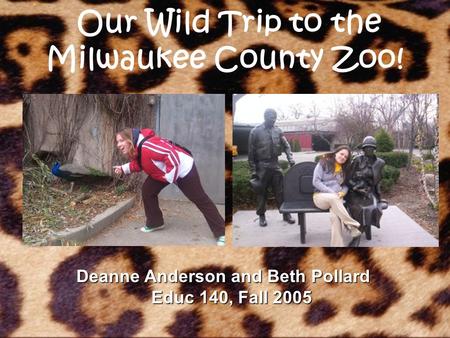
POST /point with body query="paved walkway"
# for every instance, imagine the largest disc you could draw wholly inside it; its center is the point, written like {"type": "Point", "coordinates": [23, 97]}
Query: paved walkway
{"type": "Point", "coordinates": [185, 225]}
{"type": "Point", "coordinates": [397, 230]}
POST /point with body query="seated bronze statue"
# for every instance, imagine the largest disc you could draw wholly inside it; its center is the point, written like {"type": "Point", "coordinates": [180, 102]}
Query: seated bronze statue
{"type": "Point", "coordinates": [363, 198]}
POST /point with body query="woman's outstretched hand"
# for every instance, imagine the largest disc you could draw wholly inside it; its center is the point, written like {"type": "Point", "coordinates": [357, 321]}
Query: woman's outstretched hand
{"type": "Point", "coordinates": [118, 169]}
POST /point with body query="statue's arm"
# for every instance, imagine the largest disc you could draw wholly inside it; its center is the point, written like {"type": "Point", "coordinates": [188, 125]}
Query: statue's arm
{"type": "Point", "coordinates": [351, 173]}
{"type": "Point", "coordinates": [251, 153]}
{"type": "Point", "coordinates": [378, 185]}
{"type": "Point", "coordinates": [287, 149]}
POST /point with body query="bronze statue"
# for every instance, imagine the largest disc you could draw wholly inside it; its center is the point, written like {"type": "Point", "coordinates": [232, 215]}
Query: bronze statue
{"type": "Point", "coordinates": [364, 197]}
{"type": "Point", "coordinates": [265, 143]}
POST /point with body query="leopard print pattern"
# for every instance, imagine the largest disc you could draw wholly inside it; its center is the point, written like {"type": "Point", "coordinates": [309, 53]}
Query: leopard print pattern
{"type": "Point", "coordinates": [410, 292]}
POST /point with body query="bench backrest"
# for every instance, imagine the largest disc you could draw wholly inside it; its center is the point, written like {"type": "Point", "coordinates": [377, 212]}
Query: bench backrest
{"type": "Point", "coordinates": [298, 182]}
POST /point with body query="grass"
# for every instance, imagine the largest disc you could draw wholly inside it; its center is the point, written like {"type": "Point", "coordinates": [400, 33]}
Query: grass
{"type": "Point", "coordinates": [96, 172]}
{"type": "Point", "coordinates": [121, 189]}
{"type": "Point", "coordinates": [85, 189]}
{"type": "Point", "coordinates": [49, 207]}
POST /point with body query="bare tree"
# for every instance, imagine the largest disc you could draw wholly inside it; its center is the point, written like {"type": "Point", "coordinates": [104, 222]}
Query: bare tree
{"type": "Point", "coordinates": [289, 112]}
{"type": "Point", "coordinates": [417, 118]}
{"type": "Point", "coordinates": [319, 127]}
{"type": "Point", "coordinates": [424, 103]}
{"type": "Point", "coordinates": [436, 152]}
{"type": "Point", "coordinates": [355, 119]}
{"type": "Point", "coordinates": [433, 199]}
{"type": "Point", "coordinates": [389, 110]}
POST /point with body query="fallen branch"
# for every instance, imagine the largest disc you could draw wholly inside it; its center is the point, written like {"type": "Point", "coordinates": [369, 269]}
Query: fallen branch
{"type": "Point", "coordinates": [58, 191]}
{"type": "Point", "coordinates": [82, 197]}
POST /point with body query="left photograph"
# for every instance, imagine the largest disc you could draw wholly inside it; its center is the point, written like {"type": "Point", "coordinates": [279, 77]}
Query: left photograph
{"type": "Point", "coordinates": [123, 170]}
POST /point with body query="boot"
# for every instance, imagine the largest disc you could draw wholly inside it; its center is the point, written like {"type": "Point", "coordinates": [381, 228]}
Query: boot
{"type": "Point", "coordinates": [356, 237]}
{"type": "Point", "coordinates": [354, 243]}
{"type": "Point", "coordinates": [288, 218]}
{"type": "Point", "coordinates": [262, 221]}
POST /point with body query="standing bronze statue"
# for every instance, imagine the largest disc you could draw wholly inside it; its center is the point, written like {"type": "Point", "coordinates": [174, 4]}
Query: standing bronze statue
{"type": "Point", "coordinates": [265, 143]}
{"type": "Point", "coordinates": [364, 197]}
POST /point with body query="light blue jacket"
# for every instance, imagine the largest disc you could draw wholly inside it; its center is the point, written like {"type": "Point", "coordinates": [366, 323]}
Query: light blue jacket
{"type": "Point", "coordinates": [325, 181]}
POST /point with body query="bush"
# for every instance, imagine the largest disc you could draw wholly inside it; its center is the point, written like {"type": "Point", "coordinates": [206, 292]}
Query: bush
{"type": "Point", "coordinates": [295, 146]}
{"type": "Point", "coordinates": [317, 158]}
{"type": "Point", "coordinates": [389, 178]}
{"type": "Point", "coordinates": [243, 194]}
{"type": "Point", "coordinates": [395, 159]}
{"type": "Point", "coordinates": [428, 168]}
{"type": "Point", "coordinates": [427, 156]}
{"type": "Point", "coordinates": [385, 143]}
{"type": "Point", "coordinates": [242, 191]}
{"type": "Point", "coordinates": [121, 189]}
{"type": "Point", "coordinates": [284, 165]}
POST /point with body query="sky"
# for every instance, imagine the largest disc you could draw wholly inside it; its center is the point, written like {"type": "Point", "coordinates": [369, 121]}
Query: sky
{"type": "Point", "coordinates": [250, 108]}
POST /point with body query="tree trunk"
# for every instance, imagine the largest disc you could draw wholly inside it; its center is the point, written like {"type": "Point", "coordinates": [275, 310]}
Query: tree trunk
{"type": "Point", "coordinates": [412, 139]}
{"type": "Point", "coordinates": [436, 158]}
{"type": "Point", "coordinates": [423, 180]}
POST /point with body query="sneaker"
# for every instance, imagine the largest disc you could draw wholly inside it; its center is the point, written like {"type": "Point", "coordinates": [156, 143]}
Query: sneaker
{"type": "Point", "coordinates": [221, 241]}
{"type": "Point", "coordinates": [153, 228]}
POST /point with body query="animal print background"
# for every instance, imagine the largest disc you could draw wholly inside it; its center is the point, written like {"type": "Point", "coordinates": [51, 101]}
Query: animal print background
{"type": "Point", "coordinates": [410, 291]}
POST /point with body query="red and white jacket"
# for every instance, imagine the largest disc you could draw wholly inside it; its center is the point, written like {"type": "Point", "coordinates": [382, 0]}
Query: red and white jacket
{"type": "Point", "coordinates": [160, 159]}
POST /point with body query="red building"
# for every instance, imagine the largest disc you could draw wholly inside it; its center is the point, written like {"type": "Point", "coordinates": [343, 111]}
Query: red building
{"type": "Point", "coordinates": [304, 139]}
{"type": "Point", "coordinates": [315, 135]}
{"type": "Point", "coordinates": [311, 134]}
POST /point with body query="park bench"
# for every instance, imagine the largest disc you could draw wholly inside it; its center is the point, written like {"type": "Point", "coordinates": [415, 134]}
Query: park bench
{"type": "Point", "coordinates": [297, 196]}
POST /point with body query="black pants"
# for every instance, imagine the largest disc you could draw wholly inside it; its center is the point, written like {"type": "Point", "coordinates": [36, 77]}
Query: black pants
{"type": "Point", "coordinates": [192, 188]}
{"type": "Point", "coordinates": [270, 178]}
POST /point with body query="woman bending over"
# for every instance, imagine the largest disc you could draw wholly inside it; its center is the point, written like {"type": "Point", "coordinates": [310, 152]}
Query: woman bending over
{"type": "Point", "coordinates": [165, 162]}
{"type": "Point", "coordinates": [328, 181]}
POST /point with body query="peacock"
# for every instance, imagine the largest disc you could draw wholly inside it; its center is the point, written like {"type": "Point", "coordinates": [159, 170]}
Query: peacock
{"type": "Point", "coordinates": [73, 173]}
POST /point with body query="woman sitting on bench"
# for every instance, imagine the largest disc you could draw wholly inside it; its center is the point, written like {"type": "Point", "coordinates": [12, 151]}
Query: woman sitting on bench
{"type": "Point", "coordinates": [328, 181]}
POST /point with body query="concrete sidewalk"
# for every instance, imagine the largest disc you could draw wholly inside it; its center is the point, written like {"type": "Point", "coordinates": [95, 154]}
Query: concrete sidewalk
{"type": "Point", "coordinates": [184, 225]}
{"type": "Point", "coordinates": [397, 230]}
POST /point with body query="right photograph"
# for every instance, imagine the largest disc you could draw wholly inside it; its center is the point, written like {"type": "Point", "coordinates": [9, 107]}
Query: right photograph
{"type": "Point", "coordinates": [335, 170]}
